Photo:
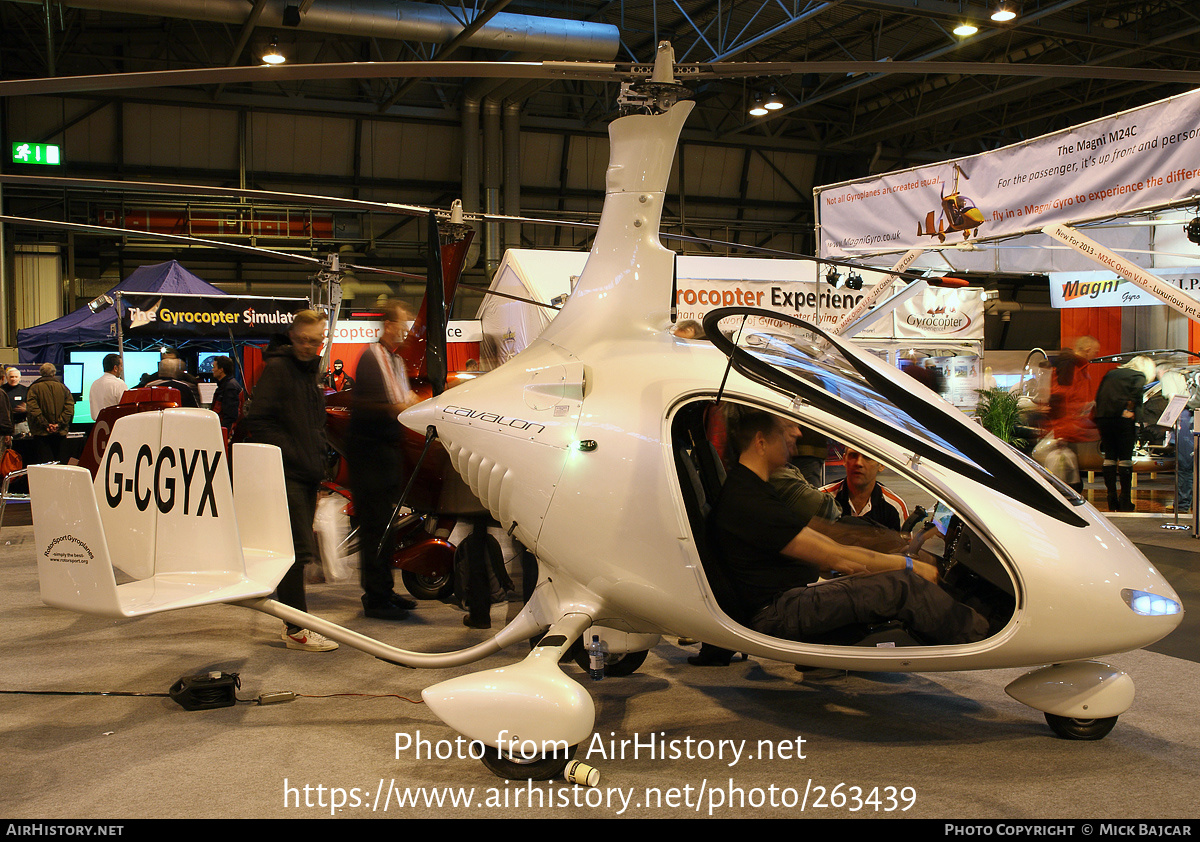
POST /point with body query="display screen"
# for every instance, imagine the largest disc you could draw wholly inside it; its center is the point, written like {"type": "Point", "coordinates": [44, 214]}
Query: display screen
{"type": "Point", "coordinates": [72, 376]}
{"type": "Point", "coordinates": [204, 361]}
{"type": "Point", "coordinates": [91, 365]}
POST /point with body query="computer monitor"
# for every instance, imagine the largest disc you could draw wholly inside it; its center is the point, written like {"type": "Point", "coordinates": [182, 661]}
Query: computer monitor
{"type": "Point", "coordinates": [72, 377]}
{"type": "Point", "coordinates": [137, 363]}
{"type": "Point", "coordinates": [204, 361]}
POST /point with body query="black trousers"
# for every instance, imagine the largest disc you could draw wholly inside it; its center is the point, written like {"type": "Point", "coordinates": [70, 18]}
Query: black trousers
{"type": "Point", "coordinates": [924, 608]}
{"type": "Point", "coordinates": [50, 447]}
{"type": "Point", "coordinates": [302, 509]}
{"type": "Point", "coordinates": [1117, 438]}
{"type": "Point", "coordinates": [376, 482]}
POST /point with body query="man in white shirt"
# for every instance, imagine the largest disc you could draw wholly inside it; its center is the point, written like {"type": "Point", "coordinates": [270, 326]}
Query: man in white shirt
{"type": "Point", "coordinates": [107, 389]}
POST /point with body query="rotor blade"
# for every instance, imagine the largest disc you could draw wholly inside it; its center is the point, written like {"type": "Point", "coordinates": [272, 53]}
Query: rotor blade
{"type": "Point", "coordinates": [110, 231]}
{"type": "Point", "coordinates": [393, 272]}
{"type": "Point", "coordinates": [106, 185]}
{"type": "Point", "coordinates": [487, 291]}
{"type": "Point", "coordinates": [301, 72]}
{"type": "Point", "coordinates": [742, 70]}
{"type": "Point", "coordinates": [579, 70]}
{"type": "Point", "coordinates": [105, 230]}
{"type": "Point", "coordinates": [117, 185]}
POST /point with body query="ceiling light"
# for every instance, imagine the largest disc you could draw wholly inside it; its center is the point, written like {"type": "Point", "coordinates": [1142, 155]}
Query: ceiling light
{"type": "Point", "coordinates": [758, 109]}
{"type": "Point", "coordinates": [1003, 14]}
{"type": "Point", "coordinates": [965, 29]}
{"type": "Point", "coordinates": [272, 55]}
{"type": "Point", "coordinates": [773, 103]}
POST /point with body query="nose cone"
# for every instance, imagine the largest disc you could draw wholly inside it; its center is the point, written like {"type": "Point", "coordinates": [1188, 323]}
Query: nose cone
{"type": "Point", "coordinates": [418, 418]}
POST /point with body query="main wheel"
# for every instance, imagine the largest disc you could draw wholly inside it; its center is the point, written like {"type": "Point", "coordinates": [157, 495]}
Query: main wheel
{"type": "Point", "coordinates": [1080, 729]}
{"type": "Point", "coordinates": [428, 587]}
{"type": "Point", "coordinates": [615, 666]}
{"type": "Point", "coordinates": [513, 765]}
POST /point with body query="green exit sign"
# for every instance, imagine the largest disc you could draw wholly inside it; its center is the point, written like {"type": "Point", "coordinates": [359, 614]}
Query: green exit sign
{"type": "Point", "coordinates": [36, 153]}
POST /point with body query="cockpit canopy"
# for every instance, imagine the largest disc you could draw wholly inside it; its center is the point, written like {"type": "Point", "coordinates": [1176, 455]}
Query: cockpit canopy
{"type": "Point", "coordinates": [803, 362]}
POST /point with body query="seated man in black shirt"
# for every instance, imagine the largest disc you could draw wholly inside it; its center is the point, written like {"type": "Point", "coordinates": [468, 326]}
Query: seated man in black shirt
{"type": "Point", "coordinates": [774, 559]}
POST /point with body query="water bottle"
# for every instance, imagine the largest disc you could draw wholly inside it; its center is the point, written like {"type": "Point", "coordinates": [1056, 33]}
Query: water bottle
{"type": "Point", "coordinates": [597, 656]}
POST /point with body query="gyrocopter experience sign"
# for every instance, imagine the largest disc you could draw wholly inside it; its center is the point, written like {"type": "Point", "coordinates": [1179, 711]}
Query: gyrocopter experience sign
{"type": "Point", "coordinates": [242, 316]}
{"type": "Point", "coordinates": [793, 288]}
{"type": "Point", "coordinates": [1143, 158]}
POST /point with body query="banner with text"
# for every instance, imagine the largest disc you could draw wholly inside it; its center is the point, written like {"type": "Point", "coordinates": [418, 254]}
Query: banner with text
{"type": "Point", "coordinates": [1107, 289]}
{"type": "Point", "coordinates": [782, 287]}
{"type": "Point", "coordinates": [207, 316]}
{"type": "Point", "coordinates": [1168, 293]}
{"type": "Point", "coordinates": [1140, 159]}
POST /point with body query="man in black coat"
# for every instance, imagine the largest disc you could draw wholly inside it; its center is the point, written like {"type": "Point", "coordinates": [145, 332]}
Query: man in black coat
{"type": "Point", "coordinates": [227, 399]}
{"type": "Point", "coordinates": [287, 409]}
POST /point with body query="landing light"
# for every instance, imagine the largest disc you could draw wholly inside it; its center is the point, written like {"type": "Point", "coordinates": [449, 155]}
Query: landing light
{"type": "Point", "coordinates": [1148, 604]}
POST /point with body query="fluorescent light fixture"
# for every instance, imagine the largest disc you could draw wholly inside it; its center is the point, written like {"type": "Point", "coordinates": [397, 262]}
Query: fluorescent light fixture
{"type": "Point", "coordinates": [965, 29]}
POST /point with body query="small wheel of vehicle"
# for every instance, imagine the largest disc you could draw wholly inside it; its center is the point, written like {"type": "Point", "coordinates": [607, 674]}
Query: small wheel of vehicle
{"type": "Point", "coordinates": [616, 666]}
{"type": "Point", "coordinates": [428, 587]}
{"type": "Point", "coordinates": [513, 765]}
{"type": "Point", "coordinates": [1080, 729]}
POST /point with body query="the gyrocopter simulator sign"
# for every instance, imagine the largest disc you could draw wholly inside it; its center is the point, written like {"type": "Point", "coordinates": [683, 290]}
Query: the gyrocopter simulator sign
{"type": "Point", "coordinates": [239, 316]}
{"type": "Point", "coordinates": [1143, 158]}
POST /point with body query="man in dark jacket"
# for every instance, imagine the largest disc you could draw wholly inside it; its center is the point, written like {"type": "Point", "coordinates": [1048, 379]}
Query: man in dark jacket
{"type": "Point", "coordinates": [16, 396]}
{"type": "Point", "coordinates": [227, 399]}
{"type": "Point", "coordinates": [287, 409]}
{"type": "Point", "coordinates": [51, 408]}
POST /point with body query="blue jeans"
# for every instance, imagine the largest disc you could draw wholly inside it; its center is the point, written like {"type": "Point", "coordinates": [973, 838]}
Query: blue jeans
{"type": "Point", "coordinates": [1184, 458]}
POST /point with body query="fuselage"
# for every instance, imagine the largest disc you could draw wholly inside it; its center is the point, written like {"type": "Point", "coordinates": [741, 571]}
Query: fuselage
{"type": "Point", "coordinates": [569, 445]}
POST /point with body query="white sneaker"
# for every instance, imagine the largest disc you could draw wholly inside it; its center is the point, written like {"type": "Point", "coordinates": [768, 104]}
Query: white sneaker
{"type": "Point", "coordinates": [308, 641]}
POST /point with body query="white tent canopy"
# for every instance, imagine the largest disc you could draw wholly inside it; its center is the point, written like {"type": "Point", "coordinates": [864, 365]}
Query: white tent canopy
{"type": "Point", "coordinates": [538, 275]}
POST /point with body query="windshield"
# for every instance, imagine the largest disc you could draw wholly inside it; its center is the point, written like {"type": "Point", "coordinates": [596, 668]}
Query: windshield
{"type": "Point", "coordinates": [833, 374]}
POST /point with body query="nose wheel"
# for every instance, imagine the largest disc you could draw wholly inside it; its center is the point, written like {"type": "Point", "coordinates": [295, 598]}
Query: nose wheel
{"type": "Point", "coordinates": [1081, 700]}
{"type": "Point", "coordinates": [513, 765]}
{"type": "Point", "coordinates": [1070, 728]}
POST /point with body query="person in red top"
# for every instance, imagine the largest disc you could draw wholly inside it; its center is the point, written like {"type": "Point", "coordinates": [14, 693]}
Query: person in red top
{"type": "Point", "coordinates": [1072, 394]}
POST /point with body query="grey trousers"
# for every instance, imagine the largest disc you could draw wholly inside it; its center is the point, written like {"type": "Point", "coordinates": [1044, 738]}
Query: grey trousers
{"type": "Point", "coordinates": [930, 613]}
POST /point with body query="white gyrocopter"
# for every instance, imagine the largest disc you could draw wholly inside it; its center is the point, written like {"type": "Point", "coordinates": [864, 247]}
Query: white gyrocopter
{"type": "Point", "coordinates": [591, 447]}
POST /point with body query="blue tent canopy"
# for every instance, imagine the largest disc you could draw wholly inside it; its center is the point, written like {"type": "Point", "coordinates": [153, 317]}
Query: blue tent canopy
{"type": "Point", "coordinates": [47, 343]}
